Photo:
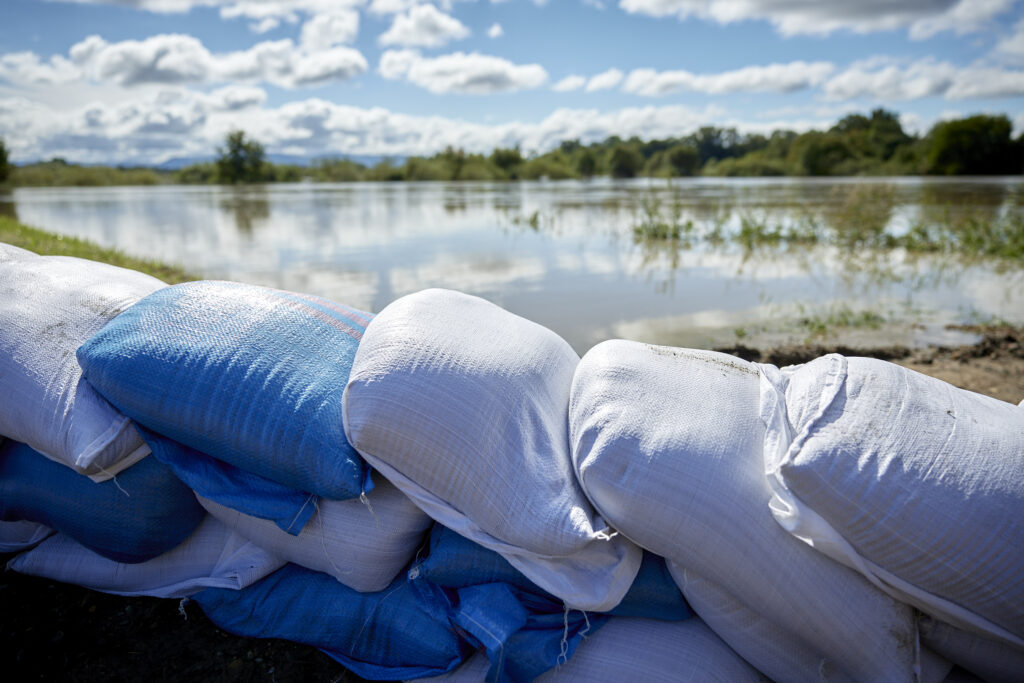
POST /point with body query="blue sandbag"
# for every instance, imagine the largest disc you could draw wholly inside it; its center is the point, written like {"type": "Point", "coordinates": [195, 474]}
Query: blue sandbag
{"type": "Point", "coordinates": [401, 632]}
{"type": "Point", "coordinates": [144, 512]}
{"type": "Point", "coordinates": [524, 634]}
{"type": "Point", "coordinates": [233, 487]}
{"type": "Point", "coordinates": [249, 375]}
{"type": "Point", "coordinates": [456, 562]}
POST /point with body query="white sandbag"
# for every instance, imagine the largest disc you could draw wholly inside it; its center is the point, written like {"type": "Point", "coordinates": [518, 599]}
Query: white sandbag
{"type": "Point", "coordinates": [462, 405]}
{"type": "Point", "coordinates": [362, 544]}
{"type": "Point", "coordinates": [9, 252]}
{"type": "Point", "coordinates": [213, 556]}
{"type": "Point", "coordinates": [634, 649]}
{"type": "Point", "coordinates": [913, 482]}
{"type": "Point", "coordinates": [668, 446]}
{"type": "Point", "coordinates": [50, 305]}
{"type": "Point", "coordinates": [17, 536]}
{"type": "Point", "coordinates": [992, 660]}
{"type": "Point", "coordinates": [770, 649]}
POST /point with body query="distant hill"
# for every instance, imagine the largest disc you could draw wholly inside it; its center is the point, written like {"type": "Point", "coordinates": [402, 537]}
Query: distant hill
{"type": "Point", "coordinates": [291, 159]}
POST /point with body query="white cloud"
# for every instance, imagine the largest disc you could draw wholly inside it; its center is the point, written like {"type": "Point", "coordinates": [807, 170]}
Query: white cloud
{"type": "Point", "coordinates": [887, 80]}
{"type": "Point", "coordinates": [568, 83]}
{"type": "Point", "coordinates": [236, 98]}
{"type": "Point", "coordinates": [922, 18]}
{"type": "Point", "coordinates": [398, 6]}
{"type": "Point", "coordinates": [27, 69]}
{"type": "Point", "coordinates": [170, 59]}
{"type": "Point", "coordinates": [495, 31]}
{"type": "Point", "coordinates": [1012, 46]}
{"type": "Point", "coordinates": [327, 30]}
{"type": "Point", "coordinates": [604, 80]}
{"type": "Point", "coordinates": [459, 72]}
{"type": "Point", "coordinates": [423, 26]}
{"type": "Point", "coordinates": [769, 78]}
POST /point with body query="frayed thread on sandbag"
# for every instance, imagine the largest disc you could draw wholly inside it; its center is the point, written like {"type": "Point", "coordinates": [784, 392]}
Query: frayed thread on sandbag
{"type": "Point", "coordinates": [323, 540]}
{"type": "Point", "coordinates": [365, 500]}
{"type": "Point", "coordinates": [181, 608]}
{"type": "Point", "coordinates": [563, 654]}
{"type": "Point", "coordinates": [605, 536]}
{"type": "Point", "coordinates": [113, 478]}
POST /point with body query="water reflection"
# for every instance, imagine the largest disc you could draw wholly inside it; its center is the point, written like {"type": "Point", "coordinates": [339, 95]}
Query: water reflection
{"type": "Point", "coordinates": [705, 260]}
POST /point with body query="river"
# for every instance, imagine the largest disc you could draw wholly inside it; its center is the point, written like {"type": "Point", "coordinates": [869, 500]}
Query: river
{"type": "Point", "coordinates": [579, 257]}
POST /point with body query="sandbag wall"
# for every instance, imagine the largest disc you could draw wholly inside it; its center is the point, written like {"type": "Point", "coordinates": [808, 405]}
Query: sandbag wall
{"type": "Point", "coordinates": [445, 478]}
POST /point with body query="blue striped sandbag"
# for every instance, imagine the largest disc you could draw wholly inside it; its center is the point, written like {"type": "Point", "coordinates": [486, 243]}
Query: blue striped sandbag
{"type": "Point", "coordinates": [249, 375]}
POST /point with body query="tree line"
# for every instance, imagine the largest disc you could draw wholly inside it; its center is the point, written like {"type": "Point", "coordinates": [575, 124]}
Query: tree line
{"type": "Point", "coordinates": [858, 144]}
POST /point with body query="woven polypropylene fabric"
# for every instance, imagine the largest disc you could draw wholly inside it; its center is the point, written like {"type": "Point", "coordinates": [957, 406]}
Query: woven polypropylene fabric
{"type": "Point", "coordinates": [143, 513]}
{"type": "Point", "coordinates": [668, 444]}
{"type": "Point", "coordinates": [49, 305]}
{"type": "Point", "coordinates": [234, 487]}
{"type": "Point", "coordinates": [920, 479]}
{"type": "Point", "coordinates": [362, 543]}
{"type": "Point", "coordinates": [992, 660]}
{"type": "Point", "coordinates": [213, 556]}
{"type": "Point", "coordinates": [249, 375]}
{"type": "Point", "coordinates": [400, 632]}
{"type": "Point", "coordinates": [462, 405]}
{"type": "Point", "coordinates": [456, 562]}
{"type": "Point", "coordinates": [633, 649]}
{"type": "Point", "coordinates": [18, 536]}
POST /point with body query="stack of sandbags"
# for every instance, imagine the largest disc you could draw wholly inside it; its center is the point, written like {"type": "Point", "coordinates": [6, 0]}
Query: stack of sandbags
{"type": "Point", "coordinates": [668, 445]}
{"type": "Point", "coordinates": [463, 406]}
{"type": "Point", "coordinates": [74, 463]}
{"type": "Point", "coordinates": [910, 481]}
{"type": "Point", "coordinates": [239, 389]}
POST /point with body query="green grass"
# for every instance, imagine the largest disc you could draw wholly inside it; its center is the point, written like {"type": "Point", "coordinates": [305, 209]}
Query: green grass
{"type": "Point", "coordinates": [828, 322]}
{"type": "Point", "coordinates": [42, 242]}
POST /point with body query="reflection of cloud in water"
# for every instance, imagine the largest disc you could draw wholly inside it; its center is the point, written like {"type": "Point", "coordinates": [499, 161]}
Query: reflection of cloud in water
{"type": "Point", "coordinates": [356, 289]}
{"type": "Point", "coordinates": [999, 296]}
{"type": "Point", "coordinates": [481, 274]}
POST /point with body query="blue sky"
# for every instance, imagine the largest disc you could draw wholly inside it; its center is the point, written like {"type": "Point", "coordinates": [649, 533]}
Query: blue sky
{"type": "Point", "coordinates": [142, 81]}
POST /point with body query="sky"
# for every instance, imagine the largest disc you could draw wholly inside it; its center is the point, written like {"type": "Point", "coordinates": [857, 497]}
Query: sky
{"type": "Point", "coordinates": [144, 81]}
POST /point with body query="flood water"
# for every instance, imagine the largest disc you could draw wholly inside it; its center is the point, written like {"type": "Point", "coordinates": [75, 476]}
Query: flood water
{"type": "Point", "coordinates": [567, 255]}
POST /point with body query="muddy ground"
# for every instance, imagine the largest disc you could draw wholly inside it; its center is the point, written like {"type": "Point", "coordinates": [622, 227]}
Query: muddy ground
{"type": "Point", "coordinates": [51, 631]}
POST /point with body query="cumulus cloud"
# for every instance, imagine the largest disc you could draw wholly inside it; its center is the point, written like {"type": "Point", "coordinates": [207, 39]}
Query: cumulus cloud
{"type": "Point", "coordinates": [568, 83]}
{"type": "Point", "coordinates": [423, 26]}
{"type": "Point", "coordinates": [883, 80]}
{"type": "Point", "coordinates": [769, 78]}
{"type": "Point", "coordinates": [604, 80]}
{"type": "Point", "coordinates": [459, 72]}
{"type": "Point", "coordinates": [170, 59]}
{"type": "Point", "coordinates": [1012, 46]}
{"type": "Point", "coordinates": [495, 31]}
{"type": "Point", "coordinates": [327, 30]}
{"type": "Point", "coordinates": [923, 18]}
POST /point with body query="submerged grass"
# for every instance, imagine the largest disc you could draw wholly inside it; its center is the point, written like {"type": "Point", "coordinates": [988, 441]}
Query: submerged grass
{"type": "Point", "coordinates": [43, 242]}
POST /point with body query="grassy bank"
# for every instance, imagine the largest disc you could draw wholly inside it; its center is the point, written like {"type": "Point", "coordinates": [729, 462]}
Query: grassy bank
{"type": "Point", "coordinates": [42, 242]}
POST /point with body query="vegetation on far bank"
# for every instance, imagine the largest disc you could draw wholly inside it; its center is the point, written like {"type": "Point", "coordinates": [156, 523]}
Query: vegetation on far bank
{"type": "Point", "coordinates": [858, 144]}
{"type": "Point", "coordinates": [43, 242]}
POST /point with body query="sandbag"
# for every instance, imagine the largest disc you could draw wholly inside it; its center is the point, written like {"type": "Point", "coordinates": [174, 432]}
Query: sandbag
{"type": "Point", "coordinates": [213, 556]}
{"type": "Point", "coordinates": [456, 562]}
{"type": "Point", "coordinates": [362, 543]}
{"type": "Point", "coordinates": [249, 375]}
{"type": "Point", "coordinates": [400, 632]}
{"type": "Point", "coordinates": [9, 252]}
{"type": "Point", "coordinates": [668, 445]}
{"type": "Point", "coordinates": [18, 536]}
{"type": "Point", "coordinates": [768, 648]}
{"type": "Point", "coordinates": [142, 513]}
{"type": "Point", "coordinates": [523, 634]}
{"type": "Point", "coordinates": [913, 482]}
{"type": "Point", "coordinates": [49, 305]}
{"type": "Point", "coordinates": [462, 405]}
{"type": "Point", "coordinates": [634, 649]}
{"type": "Point", "coordinates": [992, 660]}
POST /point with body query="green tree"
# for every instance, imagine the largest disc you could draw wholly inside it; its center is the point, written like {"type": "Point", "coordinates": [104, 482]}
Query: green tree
{"type": "Point", "coordinates": [586, 164]}
{"type": "Point", "coordinates": [5, 166]}
{"type": "Point", "coordinates": [240, 160]}
{"type": "Point", "coordinates": [625, 161]}
{"type": "Point", "coordinates": [683, 160]}
{"type": "Point", "coordinates": [508, 160]}
{"type": "Point", "coordinates": [972, 146]}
